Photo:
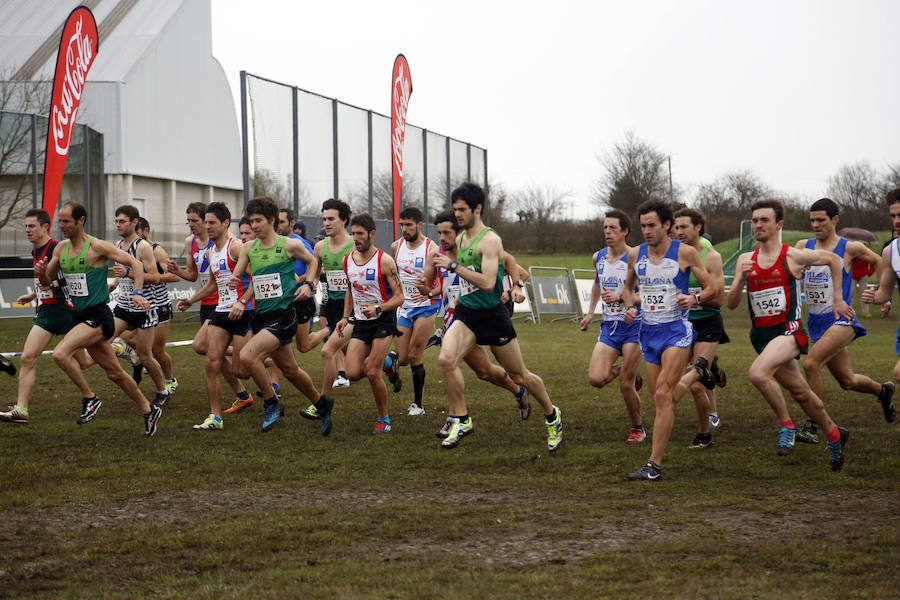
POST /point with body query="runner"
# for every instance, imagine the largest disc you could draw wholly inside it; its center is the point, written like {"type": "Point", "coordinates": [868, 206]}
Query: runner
{"type": "Point", "coordinates": [247, 236]}
{"type": "Point", "coordinates": [330, 253]}
{"type": "Point", "coordinates": [448, 286]}
{"type": "Point", "coordinates": [777, 332]}
{"type": "Point", "coordinates": [706, 321]}
{"type": "Point", "coordinates": [888, 275]}
{"type": "Point", "coordinates": [159, 299]}
{"type": "Point", "coordinates": [83, 260]}
{"type": "Point", "coordinates": [413, 254]}
{"type": "Point", "coordinates": [661, 268]}
{"type": "Point", "coordinates": [831, 335]}
{"type": "Point", "coordinates": [373, 295]}
{"type": "Point", "coordinates": [222, 257]}
{"type": "Point", "coordinates": [616, 337]}
{"type": "Point", "coordinates": [126, 316]}
{"type": "Point", "coordinates": [270, 259]}
{"type": "Point", "coordinates": [53, 316]}
{"type": "Point", "coordinates": [480, 319]}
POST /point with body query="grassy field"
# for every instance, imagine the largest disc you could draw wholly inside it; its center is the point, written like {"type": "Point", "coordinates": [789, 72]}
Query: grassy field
{"type": "Point", "coordinates": [100, 511]}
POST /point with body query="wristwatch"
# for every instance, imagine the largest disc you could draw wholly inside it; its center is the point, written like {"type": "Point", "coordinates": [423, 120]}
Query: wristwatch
{"type": "Point", "coordinates": [377, 310]}
{"type": "Point", "coordinates": [243, 301]}
{"type": "Point", "coordinates": [351, 320]}
{"type": "Point", "coordinates": [519, 283]}
{"type": "Point", "coordinates": [452, 266]}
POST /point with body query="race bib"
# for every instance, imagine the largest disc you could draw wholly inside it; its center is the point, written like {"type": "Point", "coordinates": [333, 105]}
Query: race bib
{"type": "Point", "coordinates": [615, 308]}
{"type": "Point", "coordinates": [337, 281]}
{"type": "Point", "coordinates": [227, 296]}
{"type": "Point", "coordinates": [126, 287]}
{"type": "Point", "coordinates": [695, 290]}
{"type": "Point", "coordinates": [409, 289]}
{"type": "Point", "coordinates": [818, 293]}
{"type": "Point", "coordinates": [203, 279]}
{"type": "Point", "coordinates": [267, 286]}
{"type": "Point", "coordinates": [76, 284]}
{"type": "Point", "coordinates": [466, 288]}
{"type": "Point", "coordinates": [768, 303]}
{"type": "Point", "coordinates": [657, 298]}
{"type": "Point", "coordinates": [42, 294]}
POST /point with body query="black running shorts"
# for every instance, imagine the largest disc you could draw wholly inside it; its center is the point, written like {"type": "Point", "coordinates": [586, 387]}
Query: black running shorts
{"type": "Point", "coordinates": [280, 322]}
{"type": "Point", "coordinates": [381, 327]}
{"type": "Point", "coordinates": [491, 326]}
{"type": "Point", "coordinates": [238, 327]}
{"type": "Point", "coordinates": [95, 316]}
{"type": "Point", "coordinates": [710, 329]}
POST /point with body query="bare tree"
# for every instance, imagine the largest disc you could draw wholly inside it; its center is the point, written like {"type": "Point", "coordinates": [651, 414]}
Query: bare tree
{"type": "Point", "coordinates": [733, 191]}
{"type": "Point", "coordinates": [266, 183]}
{"type": "Point", "coordinates": [540, 204]}
{"type": "Point", "coordinates": [855, 187]}
{"type": "Point", "coordinates": [891, 178]}
{"type": "Point", "coordinates": [383, 195]}
{"type": "Point", "coordinates": [634, 172]}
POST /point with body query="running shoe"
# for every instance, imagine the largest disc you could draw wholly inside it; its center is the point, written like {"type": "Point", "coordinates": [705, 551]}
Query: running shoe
{"type": "Point", "coordinates": [636, 435]}
{"type": "Point", "coordinates": [89, 408]}
{"type": "Point", "coordinates": [274, 410]}
{"type": "Point", "coordinates": [524, 404]}
{"type": "Point", "coordinates": [14, 415]}
{"type": "Point", "coordinates": [341, 382]}
{"type": "Point", "coordinates": [151, 419]}
{"type": "Point", "coordinates": [886, 398]}
{"type": "Point", "coordinates": [718, 374]}
{"type": "Point", "coordinates": [161, 398]}
{"type": "Point", "coordinates": [393, 373]}
{"type": "Point", "coordinates": [444, 431]}
{"type": "Point", "coordinates": [212, 422]}
{"type": "Point", "coordinates": [785, 440]}
{"type": "Point", "coordinates": [649, 472]}
{"type": "Point", "coordinates": [6, 365]}
{"type": "Point", "coordinates": [310, 412]}
{"type": "Point", "coordinates": [171, 385]}
{"type": "Point", "coordinates": [701, 365]}
{"type": "Point", "coordinates": [436, 339]}
{"type": "Point", "coordinates": [638, 382]}
{"type": "Point", "coordinates": [382, 427]}
{"type": "Point", "coordinates": [458, 429]}
{"type": "Point", "coordinates": [701, 440]}
{"type": "Point", "coordinates": [239, 404]}
{"type": "Point", "coordinates": [415, 410]}
{"type": "Point", "coordinates": [554, 431]}
{"type": "Point", "coordinates": [837, 450]}
{"type": "Point", "coordinates": [327, 404]}
{"type": "Point", "coordinates": [808, 434]}
{"type": "Point", "coordinates": [715, 422]}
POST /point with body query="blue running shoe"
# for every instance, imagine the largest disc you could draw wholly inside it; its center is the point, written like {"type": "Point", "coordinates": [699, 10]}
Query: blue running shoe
{"type": "Point", "coordinates": [274, 411]}
{"type": "Point", "coordinates": [837, 450]}
{"type": "Point", "coordinates": [324, 406]}
{"type": "Point", "coordinates": [785, 440]}
{"type": "Point", "coordinates": [714, 422]}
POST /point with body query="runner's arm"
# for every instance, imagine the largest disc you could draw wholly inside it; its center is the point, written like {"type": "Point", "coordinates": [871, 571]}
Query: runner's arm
{"type": "Point", "coordinates": [688, 256]}
{"type": "Point", "coordinates": [808, 258]}
{"type": "Point", "coordinates": [148, 260]}
{"type": "Point", "coordinates": [628, 291]}
{"type": "Point", "coordinates": [717, 276]}
{"type": "Point", "coordinates": [48, 270]}
{"type": "Point", "coordinates": [859, 251]}
{"type": "Point", "coordinates": [393, 278]}
{"type": "Point", "coordinates": [239, 268]}
{"type": "Point", "coordinates": [741, 268]}
{"type": "Point", "coordinates": [162, 257]}
{"type": "Point", "coordinates": [191, 274]}
{"type": "Point", "coordinates": [886, 280]}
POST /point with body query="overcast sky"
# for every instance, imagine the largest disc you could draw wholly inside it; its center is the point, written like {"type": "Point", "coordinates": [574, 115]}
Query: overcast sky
{"type": "Point", "coordinates": [788, 89]}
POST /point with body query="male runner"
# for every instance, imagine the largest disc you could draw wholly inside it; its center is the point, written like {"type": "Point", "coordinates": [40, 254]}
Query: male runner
{"type": "Point", "coordinates": [477, 359]}
{"type": "Point", "coordinates": [53, 316]}
{"type": "Point", "coordinates": [660, 269]}
{"type": "Point", "coordinates": [222, 257]}
{"type": "Point", "coordinates": [413, 255]}
{"type": "Point", "coordinates": [480, 319]}
{"type": "Point", "coordinates": [373, 295]}
{"type": "Point", "coordinates": [270, 259]}
{"type": "Point", "coordinates": [159, 299]}
{"type": "Point", "coordinates": [616, 337]}
{"type": "Point", "coordinates": [706, 321]}
{"type": "Point", "coordinates": [126, 316]}
{"type": "Point", "coordinates": [247, 236]}
{"type": "Point", "coordinates": [82, 260]}
{"type": "Point", "coordinates": [888, 275]}
{"type": "Point", "coordinates": [771, 273]}
{"type": "Point", "coordinates": [330, 253]}
{"type": "Point", "coordinates": [831, 335]}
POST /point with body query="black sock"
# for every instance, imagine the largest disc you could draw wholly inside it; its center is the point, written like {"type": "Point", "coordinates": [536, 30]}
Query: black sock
{"type": "Point", "coordinates": [551, 417]}
{"type": "Point", "coordinates": [320, 404]}
{"type": "Point", "coordinates": [640, 427]}
{"type": "Point", "coordinates": [245, 395]}
{"type": "Point", "coordinates": [418, 377]}
{"type": "Point", "coordinates": [464, 418]}
{"type": "Point", "coordinates": [342, 374]}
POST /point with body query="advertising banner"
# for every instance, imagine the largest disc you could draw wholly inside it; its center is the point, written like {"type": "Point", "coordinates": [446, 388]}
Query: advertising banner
{"type": "Point", "coordinates": [401, 89]}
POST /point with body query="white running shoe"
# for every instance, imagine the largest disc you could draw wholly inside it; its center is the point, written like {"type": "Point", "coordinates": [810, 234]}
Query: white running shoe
{"type": "Point", "coordinates": [341, 382]}
{"type": "Point", "coordinates": [415, 410]}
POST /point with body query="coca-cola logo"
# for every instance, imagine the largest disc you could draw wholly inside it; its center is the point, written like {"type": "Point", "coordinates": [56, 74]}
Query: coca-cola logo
{"type": "Point", "coordinates": [79, 54]}
{"type": "Point", "coordinates": [402, 91]}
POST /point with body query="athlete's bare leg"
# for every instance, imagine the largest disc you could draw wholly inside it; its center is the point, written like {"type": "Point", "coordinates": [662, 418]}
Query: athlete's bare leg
{"type": "Point", "coordinates": [261, 345]}
{"type": "Point", "coordinates": [790, 376]}
{"type": "Point", "coordinates": [510, 358]}
{"type": "Point", "coordinates": [673, 362]}
{"type": "Point", "coordinates": [333, 357]}
{"type": "Point", "coordinates": [79, 337]}
{"type": "Point", "coordinates": [458, 342]}
{"type": "Point", "coordinates": [631, 360]}
{"type": "Point", "coordinates": [480, 363]}
{"type": "Point", "coordinates": [159, 349]}
{"type": "Point", "coordinates": [37, 340]}
{"type": "Point", "coordinates": [831, 350]}
{"type": "Point", "coordinates": [283, 356]}
{"type": "Point", "coordinates": [105, 357]}
{"type": "Point", "coordinates": [216, 342]}
{"type": "Point", "coordinates": [603, 368]}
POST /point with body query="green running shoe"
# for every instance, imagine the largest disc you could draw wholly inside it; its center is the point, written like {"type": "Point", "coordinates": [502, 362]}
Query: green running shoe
{"type": "Point", "coordinates": [310, 413]}
{"type": "Point", "coordinates": [554, 431]}
{"type": "Point", "coordinates": [210, 423]}
{"type": "Point", "coordinates": [809, 433]}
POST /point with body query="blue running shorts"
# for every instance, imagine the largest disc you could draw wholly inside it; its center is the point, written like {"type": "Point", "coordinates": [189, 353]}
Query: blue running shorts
{"type": "Point", "coordinates": [406, 316]}
{"type": "Point", "coordinates": [819, 324]}
{"type": "Point", "coordinates": [656, 339]}
{"type": "Point", "coordinates": [616, 334]}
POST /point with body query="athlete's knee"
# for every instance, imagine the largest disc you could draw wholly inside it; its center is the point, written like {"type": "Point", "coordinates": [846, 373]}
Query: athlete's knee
{"type": "Point", "coordinates": [29, 360]}
{"type": "Point", "coordinates": [213, 363]}
{"type": "Point", "coordinates": [811, 365]}
{"type": "Point", "coordinates": [60, 356]}
{"type": "Point", "coordinates": [846, 381]}
{"type": "Point", "coordinates": [598, 378]}
{"type": "Point", "coordinates": [446, 362]}
{"type": "Point", "coordinates": [116, 374]}
{"type": "Point", "coordinates": [199, 347]}
{"type": "Point", "coordinates": [662, 396]}
{"type": "Point", "coordinates": [698, 388]}
{"type": "Point", "coordinates": [758, 376]}
{"type": "Point", "coordinates": [145, 356]}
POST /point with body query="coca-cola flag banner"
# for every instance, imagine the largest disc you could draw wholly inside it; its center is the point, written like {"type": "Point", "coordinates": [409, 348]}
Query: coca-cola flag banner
{"type": "Point", "coordinates": [401, 89]}
{"type": "Point", "coordinates": [77, 49]}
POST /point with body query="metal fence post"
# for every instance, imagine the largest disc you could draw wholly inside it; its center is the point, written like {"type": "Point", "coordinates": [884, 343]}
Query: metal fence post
{"type": "Point", "coordinates": [245, 138]}
{"type": "Point", "coordinates": [468, 162]}
{"type": "Point", "coordinates": [425, 173]}
{"type": "Point", "coordinates": [447, 179]}
{"type": "Point", "coordinates": [334, 137]}
{"type": "Point", "coordinates": [296, 174]}
{"type": "Point", "coordinates": [371, 167]}
{"type": "Point", "coordinates": [101, 179]}
{"type": "Point", "coordinates": [86, 177]}
{"type": "Point", "coordinates": [34, 176]}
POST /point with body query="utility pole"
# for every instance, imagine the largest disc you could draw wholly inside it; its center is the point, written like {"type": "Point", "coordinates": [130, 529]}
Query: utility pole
{"type": "Point", "coordinates": [671, 189]}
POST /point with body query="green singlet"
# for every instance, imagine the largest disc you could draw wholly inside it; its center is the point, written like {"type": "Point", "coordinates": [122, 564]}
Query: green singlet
{"type": "Point", "coordinates": [471, 296]}
{"type": "Point", "coordinates": [272, 273]}
{"type": "Point", "coordinates": [85, 284]}
{"type": "Point", "coordinates": [333, 267]}
{"type": "Point", "coordinates": [694, 287]}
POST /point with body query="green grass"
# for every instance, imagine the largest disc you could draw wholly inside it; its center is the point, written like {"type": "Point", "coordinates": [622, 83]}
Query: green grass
{"type": "Point", "coordinates": [100, 511]}
{"type": "Point", "coordinates": [728, 247]}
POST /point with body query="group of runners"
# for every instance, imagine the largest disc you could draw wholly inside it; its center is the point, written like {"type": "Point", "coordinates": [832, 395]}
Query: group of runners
{"type": "Point", "coordinates": [661, 303]}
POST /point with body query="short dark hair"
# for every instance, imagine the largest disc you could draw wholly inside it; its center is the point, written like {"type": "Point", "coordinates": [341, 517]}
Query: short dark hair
{"type": "Point", "coordinates": [412, 213]}
{"type": "Point", "coordinates": [830, 207]}
{"type": "Point", "coordinates": [198, 208]}
{"type": "Point", "coordinates": [344, 210]}
{"type": "Point", "coordinates": [363, 220]}
{"type": "Point", "coordinates": [622, 216]}
{"type": "Point", "coordinates": [695, 215]}
{"type": "Point", "coordinates": [42, 215]}
{"type": "Point", "coordinates": [290, 213]}
{"type": "Point", "coordinates": [143, 224]}
{"type": "Point", "coordinates": [264, 206]}
{"type": "Point", "coordinates": [892, 197]}
{"type": "Point", "coordinates": [244, 221]}
{"type": "Point", "coordinates": [773, 203]}
{"type": "Point", "coordinates": [219, 210]}
{"type": "Point", "coordinates": [469, 193]}
{"type": "Point", "coordinates": [299, 224]}
{"type": "Point", "coordinates": [129, 211]}
{"type": "Point", "coordinates": [446, 216]}
{"type": "Point", "coordinates": [662, 210]}
{"type": "Point", "coordinates": [78, 210]}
